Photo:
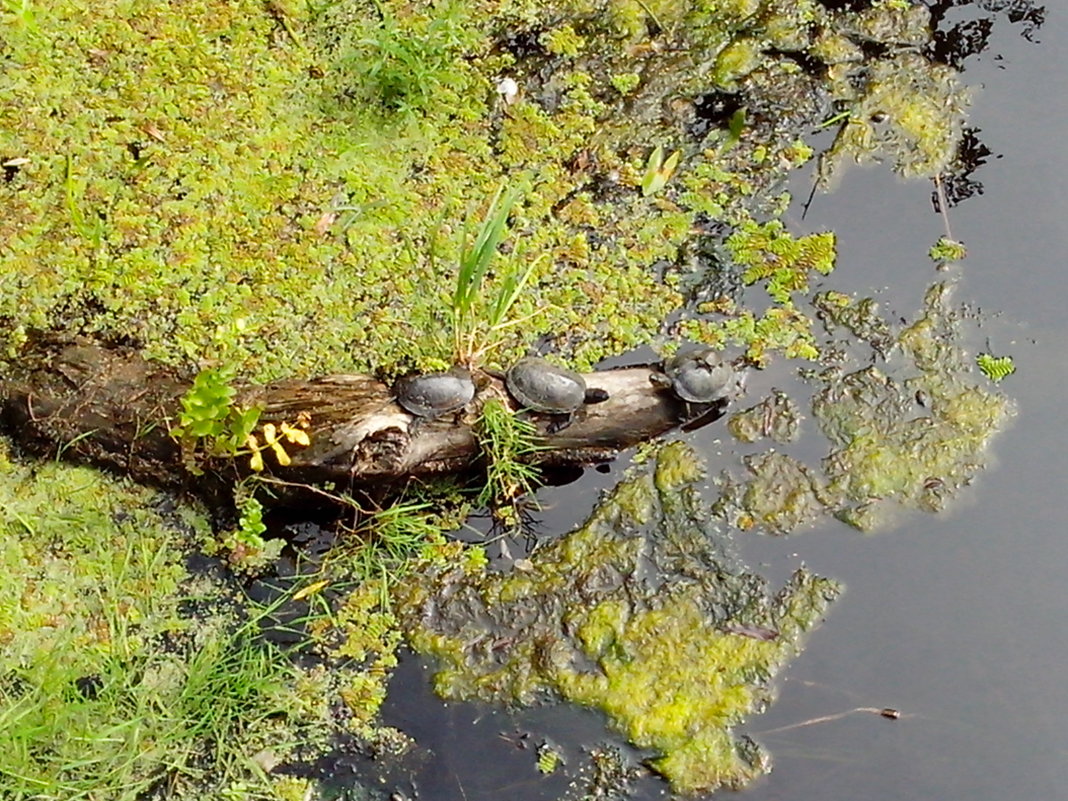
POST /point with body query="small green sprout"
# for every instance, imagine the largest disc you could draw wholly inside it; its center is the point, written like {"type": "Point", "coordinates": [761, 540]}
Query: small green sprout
{"type": "Point", "coordinates": [246, 547]}
{"type": "Point", "coordinates": [658, 170]}
{"type": "Point", "coordinates": [995, 367]}
{"type": "Point", "coordinates": [213, 425]}
{"type": "Point", "coordinates": [549, 758]}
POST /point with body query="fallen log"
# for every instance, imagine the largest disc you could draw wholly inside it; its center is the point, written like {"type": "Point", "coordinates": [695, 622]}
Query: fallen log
{"type": "Point", "coordinates": [111, 407]}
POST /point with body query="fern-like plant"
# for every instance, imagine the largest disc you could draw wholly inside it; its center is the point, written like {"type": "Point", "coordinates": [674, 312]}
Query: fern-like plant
{"type": "Point", "coordinates": [995, 368]}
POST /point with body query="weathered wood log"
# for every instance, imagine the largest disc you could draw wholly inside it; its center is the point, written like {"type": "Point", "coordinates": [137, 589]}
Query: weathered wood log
{"type": "Point", "coordinates": [110, 407]}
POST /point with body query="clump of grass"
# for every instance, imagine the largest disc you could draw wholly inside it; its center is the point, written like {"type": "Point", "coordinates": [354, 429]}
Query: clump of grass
{"type": "Point", "coordinates": [507, 441]}
{"type": "Point", "coordinates": [124, 677]}
{"type": "Point", "coordinates": [130, 716]}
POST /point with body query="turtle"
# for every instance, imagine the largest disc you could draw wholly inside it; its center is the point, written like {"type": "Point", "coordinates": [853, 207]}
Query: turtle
{"type": "Point", "coordinates": [698, 376]}
{"type": "Point", "coordinates": [430, 395]}
{"type": "Point", "coordinates": [543, 387]}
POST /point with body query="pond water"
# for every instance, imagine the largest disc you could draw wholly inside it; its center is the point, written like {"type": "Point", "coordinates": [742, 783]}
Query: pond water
{"type": "Point", "coordinates": [956, 619]}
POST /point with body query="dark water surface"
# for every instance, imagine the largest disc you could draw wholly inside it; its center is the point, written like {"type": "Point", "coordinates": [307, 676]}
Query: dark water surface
{"type": "Point", "coordinates": [959, 620]}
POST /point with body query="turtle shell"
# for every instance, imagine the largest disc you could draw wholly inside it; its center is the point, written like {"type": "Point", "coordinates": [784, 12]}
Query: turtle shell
{"type": "Point", "coordinates": [431, 395]}
{"type": "Point", "coordinates": [544, 387]}
{"type": "Point", "coordinates": [700, 376]}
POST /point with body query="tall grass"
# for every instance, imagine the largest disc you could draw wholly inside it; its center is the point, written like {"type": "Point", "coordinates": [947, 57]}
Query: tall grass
{"type": "Point", "coordinates": [480, 314]}
{"type": "Point", "coordinates": [137, 719]}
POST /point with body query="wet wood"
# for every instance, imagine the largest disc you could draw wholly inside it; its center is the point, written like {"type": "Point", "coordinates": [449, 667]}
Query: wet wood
{"type": "Point", "coordinates": [110, 407]}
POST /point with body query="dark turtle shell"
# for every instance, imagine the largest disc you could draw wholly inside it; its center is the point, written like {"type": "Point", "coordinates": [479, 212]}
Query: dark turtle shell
{"type": "Point", "coordinates": [699, 376]}
{"type": "Point", "coordinates": [544, 387]}
{"type": "Point", "coordinates": [434, 394]}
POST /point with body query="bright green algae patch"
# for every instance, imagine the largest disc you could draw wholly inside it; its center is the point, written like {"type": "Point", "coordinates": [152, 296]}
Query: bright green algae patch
{"type": "Point", "coordinates": [643, 613]}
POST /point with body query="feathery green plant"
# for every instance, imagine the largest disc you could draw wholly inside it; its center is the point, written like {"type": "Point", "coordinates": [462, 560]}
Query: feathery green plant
{"type": "Point", "coordinates": [995, 367]}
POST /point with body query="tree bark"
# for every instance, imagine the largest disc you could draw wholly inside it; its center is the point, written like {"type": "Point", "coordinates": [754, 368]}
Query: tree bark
{"type": "Point", "coordinates": [110, 407]}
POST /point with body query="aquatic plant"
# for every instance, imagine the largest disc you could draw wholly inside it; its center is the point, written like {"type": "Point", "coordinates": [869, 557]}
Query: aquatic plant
{"type": "Point", "coordinates": [947, 250]}
{"type": "Point", "coordinates": [508, 441]}
{"type": "Point", "coordinates": [245, 547]}
{"type": "Point", "coordinates": [995, 368]}
{"type": "Point", "coordinates": [642, 612]}
{"type": "Point", "coordinates": [912, 435]}
{"type": "Point", "coordinates": [332, 137]}
{"type": "Point", "coordinates": [480, 315]}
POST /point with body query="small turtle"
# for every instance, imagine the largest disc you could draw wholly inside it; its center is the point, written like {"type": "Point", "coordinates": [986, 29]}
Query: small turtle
{"type": "Point", "coordinates": [541, 386]}
{"type": "Point", "coordinates": [430, 395]}
{"type": "Point", "coordinates": [699, 376]}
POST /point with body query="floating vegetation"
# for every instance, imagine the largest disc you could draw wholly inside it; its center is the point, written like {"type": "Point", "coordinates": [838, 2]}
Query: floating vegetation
{"type": "Point", "coordinates": [339, 147]}
{"type": "Point", "coordinates": [301, 210]}
{"type": "Point", "coordinates": [643, 613]}
{"type": "Point", "coordinates": [911, 436]}
{"type": "Point", "coordinates": [777, 418]}
{"type": "Point", "coordinates": [947, 250]}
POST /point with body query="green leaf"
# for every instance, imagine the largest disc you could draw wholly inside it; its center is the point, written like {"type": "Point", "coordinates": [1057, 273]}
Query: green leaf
{"type": "Point", "coordinates": [652, 182]}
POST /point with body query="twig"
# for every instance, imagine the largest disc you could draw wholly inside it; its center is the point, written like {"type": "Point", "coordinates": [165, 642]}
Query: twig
{"type": "Point", "coordinates": [943, 206]}
{"type": "Point", "coordinates": [883, 712]}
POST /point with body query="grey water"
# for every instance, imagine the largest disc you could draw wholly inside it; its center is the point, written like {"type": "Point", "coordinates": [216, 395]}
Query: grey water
{"type": "Point", "coordinates": [958, 620]}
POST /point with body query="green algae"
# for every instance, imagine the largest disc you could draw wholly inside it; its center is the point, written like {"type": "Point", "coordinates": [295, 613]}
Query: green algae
{"type": "Point", "coordinates": [910, 436]}
{"type": "Point", "coordinates": [777, 417]}
{"type": "Point", "coordinates": [643, 613]}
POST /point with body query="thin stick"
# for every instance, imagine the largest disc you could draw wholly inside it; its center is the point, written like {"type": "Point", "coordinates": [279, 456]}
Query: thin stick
{"type": "Point", "coordinates": [883, 712]}
{"type": "Point", "coordinates": [943, 205]}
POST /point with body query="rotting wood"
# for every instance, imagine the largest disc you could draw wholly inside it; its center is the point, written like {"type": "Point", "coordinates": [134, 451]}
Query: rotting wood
{"type": "Point", "coordinates": [110, 407]}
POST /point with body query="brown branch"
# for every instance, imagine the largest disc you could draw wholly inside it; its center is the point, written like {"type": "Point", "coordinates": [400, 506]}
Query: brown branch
{"type": "Point", "coordinates": [109, 406]}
